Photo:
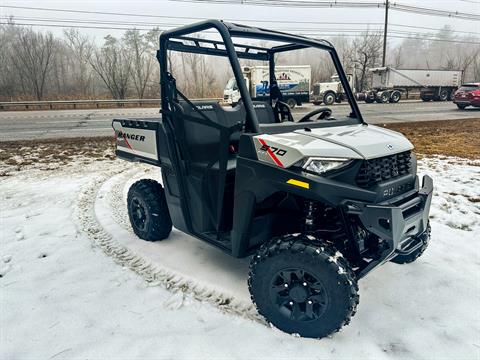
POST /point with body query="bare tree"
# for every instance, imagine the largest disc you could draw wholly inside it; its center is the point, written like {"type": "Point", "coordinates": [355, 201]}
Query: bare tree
{"type": "Point", "coordinates": [368, 50]}
{"type": "Point", "coordinates": [81, 47]}
{"type": "Point", "coordinates": [142, 61]}
{"type": "Point", "coordinates": [112, 64]}
{"type": "Point", "coordinates": [397, 57]}
{"type": "Point", "coordinates": [32, 57]}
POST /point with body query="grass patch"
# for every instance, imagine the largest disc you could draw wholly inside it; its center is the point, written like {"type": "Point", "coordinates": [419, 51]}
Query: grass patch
{"type": "Point", "coordinates": [443, 137]}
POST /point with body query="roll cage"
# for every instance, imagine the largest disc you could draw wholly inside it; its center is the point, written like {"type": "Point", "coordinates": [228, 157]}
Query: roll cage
{"type": "Point", "coordinates": [179, 40]}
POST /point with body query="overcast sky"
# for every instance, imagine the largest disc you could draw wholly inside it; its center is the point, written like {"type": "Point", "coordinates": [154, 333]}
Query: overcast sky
{"type": "Point", "coordinates": [241, 12]}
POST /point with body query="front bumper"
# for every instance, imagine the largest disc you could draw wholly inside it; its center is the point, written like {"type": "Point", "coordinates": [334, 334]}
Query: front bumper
{"type": "Point", "coordinates": [397, 223]}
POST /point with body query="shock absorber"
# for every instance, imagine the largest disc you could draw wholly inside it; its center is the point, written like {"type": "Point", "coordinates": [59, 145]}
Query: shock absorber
{"type": "Point", "coordinates": [310, 214]}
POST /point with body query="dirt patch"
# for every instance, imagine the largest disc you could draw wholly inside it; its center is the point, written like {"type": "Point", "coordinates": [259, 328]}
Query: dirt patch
{"type": "Point", "coordinates": [50, 154]}
{"type": "Point", "coordinates": [450, 137]}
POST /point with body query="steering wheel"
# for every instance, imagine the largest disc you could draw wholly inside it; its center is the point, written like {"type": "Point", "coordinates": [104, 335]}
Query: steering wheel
{"type": "Point", "coordinates": [282, 111]}
{"type": "Point", "coordinates": [323, 111]}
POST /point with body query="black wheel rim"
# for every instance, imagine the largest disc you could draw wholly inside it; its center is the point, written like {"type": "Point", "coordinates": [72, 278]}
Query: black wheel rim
{"type": "Point", "coordinates": [139, 215]}
{"type": "Point", "coordinates": [298, 295]}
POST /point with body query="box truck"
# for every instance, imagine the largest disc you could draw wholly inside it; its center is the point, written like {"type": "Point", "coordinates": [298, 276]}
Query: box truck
{"type": "Point", "coordinates": [293, 81]}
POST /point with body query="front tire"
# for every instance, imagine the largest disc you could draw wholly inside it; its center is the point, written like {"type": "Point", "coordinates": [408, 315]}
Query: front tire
{"type": "Point", "coordinates": [461, 107]}
{"type": "Point", "coordinates": [303, 286]}
{"type": "Point", "coordinates": [148, 210]}
{"type": "Point", "coordinates": [329, 98]}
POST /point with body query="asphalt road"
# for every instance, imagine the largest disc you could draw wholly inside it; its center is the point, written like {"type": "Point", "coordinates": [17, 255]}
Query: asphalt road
{"type": "Point", "coordinates": [21, 125]}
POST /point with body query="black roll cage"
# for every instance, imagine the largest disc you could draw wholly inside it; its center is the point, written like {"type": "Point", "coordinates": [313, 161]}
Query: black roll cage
{"type": "Point", "coordinates": [178, 40]}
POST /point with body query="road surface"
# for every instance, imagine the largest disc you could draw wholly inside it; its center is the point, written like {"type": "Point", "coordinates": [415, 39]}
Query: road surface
{"type": "Point", "coordinates": [22, 125]}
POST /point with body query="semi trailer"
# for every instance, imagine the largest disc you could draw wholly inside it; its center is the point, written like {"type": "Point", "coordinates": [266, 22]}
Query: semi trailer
{"type": "Point", "coordinates": [390, 84]}
{"type": "Point", "coordinates": [293, 82]}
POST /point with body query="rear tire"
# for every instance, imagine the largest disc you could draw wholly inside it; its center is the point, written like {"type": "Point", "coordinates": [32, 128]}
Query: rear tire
{"type": "Point", "coordinates": [461, 107]}
{"type": "Point", "coordinates": [443, 96]}
{"type": "Point", "coordinates": [303, 286]}
{"type": "Point", "coordinates": [148, 210]}
{"type": "Point", "coordinates": [291, 103]}
{"type": "Point", "coordinates": [407, 259]}
{"type": "Point", "coordinates": [395, 97]}
{"type": "Point", "coordinates": [383, 97]}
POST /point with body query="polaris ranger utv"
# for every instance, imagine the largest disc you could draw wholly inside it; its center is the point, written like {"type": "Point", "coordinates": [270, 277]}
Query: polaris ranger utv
{"type": "Point", "coordinates": [317, 202]}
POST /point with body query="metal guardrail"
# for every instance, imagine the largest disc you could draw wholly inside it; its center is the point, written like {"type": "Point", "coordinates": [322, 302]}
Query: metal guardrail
{"type": "Point", "coordinates": [75, 103]}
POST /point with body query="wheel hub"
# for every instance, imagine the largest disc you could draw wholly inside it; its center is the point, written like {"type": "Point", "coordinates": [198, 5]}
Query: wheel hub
{"type": "Point", "coordinates": [139, 214]}
{"type": "Point", "coordinates": [298, 295]}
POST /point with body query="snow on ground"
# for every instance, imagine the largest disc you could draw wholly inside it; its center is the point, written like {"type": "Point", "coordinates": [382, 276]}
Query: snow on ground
{"type": "Point", "coordinates": [61, 297]}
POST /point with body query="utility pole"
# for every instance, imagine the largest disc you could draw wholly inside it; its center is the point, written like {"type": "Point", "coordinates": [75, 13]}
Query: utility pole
{"type": "Point", "coordinates": [385, 34]}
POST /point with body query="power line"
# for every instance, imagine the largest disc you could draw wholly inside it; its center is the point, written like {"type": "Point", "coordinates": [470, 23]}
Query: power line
{"type": "Point", "coordinates": [317, 33]}
{"type": "Point", "coordinates": [202, 18]}
{"type": "Point", "coordinates": [171, 17]}
{"type": "Point", "coordinates": [171, 25]}
{"type": "Point", "coordinates": [342, 4]}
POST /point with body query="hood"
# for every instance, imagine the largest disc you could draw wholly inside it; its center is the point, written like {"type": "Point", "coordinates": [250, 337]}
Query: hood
{"type": "Point", "coordinates": [352, 142]}
{"type": "Point", "coordinates": [367, 141]}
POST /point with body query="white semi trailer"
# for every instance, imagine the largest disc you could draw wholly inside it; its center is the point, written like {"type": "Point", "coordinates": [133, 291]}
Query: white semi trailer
{"type": "Point", "coordinates": [293, 81]}
{"type": "Point", "coordinates": [389, 84]}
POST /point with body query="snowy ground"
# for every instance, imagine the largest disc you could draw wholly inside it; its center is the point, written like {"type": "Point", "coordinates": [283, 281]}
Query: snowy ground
{"type": "Point", "coordinates": [75, 282]}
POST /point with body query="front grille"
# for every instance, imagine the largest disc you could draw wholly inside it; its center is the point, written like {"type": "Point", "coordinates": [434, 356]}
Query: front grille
{"type": "Point", "coordinates": [385, 168]}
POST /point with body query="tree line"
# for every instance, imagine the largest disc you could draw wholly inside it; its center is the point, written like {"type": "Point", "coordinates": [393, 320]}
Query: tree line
{"type": "Point", "coordinates": [36, 65]}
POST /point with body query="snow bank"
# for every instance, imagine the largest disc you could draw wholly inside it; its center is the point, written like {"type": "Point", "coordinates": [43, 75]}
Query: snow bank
{"type": "Point", "coordinates": [61, 297]}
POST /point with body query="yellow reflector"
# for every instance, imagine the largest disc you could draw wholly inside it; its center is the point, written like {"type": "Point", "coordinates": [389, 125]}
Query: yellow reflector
{"type": "Point", "coordinates": [299, 183]}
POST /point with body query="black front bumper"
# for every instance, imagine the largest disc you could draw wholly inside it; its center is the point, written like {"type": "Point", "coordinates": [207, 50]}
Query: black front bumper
{"type": "Point", "coordinates": [396, 223]}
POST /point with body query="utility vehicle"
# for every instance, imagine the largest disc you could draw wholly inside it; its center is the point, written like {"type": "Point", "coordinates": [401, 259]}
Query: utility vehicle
{"type": "Point", "coordinates": [317, 202]}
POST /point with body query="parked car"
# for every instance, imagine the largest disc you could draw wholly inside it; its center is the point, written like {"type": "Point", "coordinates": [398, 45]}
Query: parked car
{"type": "Point", "coordinates": [467, 95]}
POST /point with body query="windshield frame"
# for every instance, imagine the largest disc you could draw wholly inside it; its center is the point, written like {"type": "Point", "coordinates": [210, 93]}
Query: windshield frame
{"type": "Point", "coordinates": [175, 40]}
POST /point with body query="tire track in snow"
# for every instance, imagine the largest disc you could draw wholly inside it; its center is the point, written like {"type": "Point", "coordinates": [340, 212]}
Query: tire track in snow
{"type": "Point", "coordinates": [122, 255]}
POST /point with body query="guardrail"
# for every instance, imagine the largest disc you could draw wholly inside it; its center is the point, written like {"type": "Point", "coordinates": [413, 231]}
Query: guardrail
{"type": "Point", "coordinates": [76, 103]}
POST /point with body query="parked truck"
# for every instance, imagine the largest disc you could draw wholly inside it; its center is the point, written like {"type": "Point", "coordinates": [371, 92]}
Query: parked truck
{"type": "Point", "coordinates": [330, 92]}
{"type": "Point", "coordinates": [293, 81]}
{"type": "Point", "coordinates": [389, 84]}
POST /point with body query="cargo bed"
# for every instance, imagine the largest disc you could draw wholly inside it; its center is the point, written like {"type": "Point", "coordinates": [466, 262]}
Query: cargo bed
{"type": "Point", "coordinates": [136, 139]}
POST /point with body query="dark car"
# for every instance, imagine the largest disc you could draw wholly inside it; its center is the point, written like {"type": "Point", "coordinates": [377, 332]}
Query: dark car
{"type": "Point", "coordinates": [467, 95]}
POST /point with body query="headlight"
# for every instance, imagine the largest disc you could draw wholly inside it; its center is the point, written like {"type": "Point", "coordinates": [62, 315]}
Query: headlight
{"type": "Point", "coordinates": [322, 165]}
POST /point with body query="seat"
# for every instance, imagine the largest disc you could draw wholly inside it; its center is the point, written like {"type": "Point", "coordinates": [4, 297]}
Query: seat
{"type": "Point", "coordinates": [263, 110]}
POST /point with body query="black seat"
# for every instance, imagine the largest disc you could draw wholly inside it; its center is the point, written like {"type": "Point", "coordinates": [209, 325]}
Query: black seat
{"type": "Point", "coordinates": [263, 110]}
